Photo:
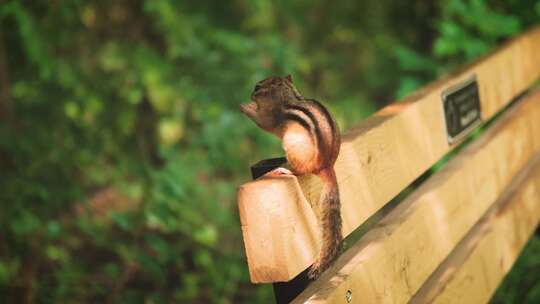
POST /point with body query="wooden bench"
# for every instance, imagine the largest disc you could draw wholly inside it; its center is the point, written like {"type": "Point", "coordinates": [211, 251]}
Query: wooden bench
{"type": "Point", "coordinates": [450, 233]}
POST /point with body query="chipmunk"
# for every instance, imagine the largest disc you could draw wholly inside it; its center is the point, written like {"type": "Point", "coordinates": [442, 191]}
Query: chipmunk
{"type": "Point", "coordinates": [311, 141]}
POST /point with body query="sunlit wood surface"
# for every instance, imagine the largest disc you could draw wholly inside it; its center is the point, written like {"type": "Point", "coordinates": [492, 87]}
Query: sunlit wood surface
{"type": "Point", "coordinates": [474, 269]}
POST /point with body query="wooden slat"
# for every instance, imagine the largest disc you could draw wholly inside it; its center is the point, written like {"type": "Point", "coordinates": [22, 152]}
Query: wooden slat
{"type": "Point", "coordinates": [474, 269]}
{"type": "Point", "coordinates": [392, 261]}
{"type": "Point", "coordinates": [378, 158]}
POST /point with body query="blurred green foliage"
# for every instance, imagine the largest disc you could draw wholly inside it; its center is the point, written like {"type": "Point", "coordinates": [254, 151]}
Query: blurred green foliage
{"type": "Point", "coordinates": [522, 284]}
{"type": "Point", "coordinates": [121, 145]}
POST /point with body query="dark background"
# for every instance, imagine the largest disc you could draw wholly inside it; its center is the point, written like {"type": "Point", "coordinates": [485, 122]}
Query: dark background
{"type": "Point", "coordinates": [121, 146]}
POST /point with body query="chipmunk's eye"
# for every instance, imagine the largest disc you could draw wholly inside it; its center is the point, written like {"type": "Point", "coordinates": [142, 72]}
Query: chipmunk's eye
{"type": "Point", "coordinates": [257, 87]}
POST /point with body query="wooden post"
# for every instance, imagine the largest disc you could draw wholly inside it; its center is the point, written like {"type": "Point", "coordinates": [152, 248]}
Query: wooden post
{"type": "Point", "coordinates": [284, 292]}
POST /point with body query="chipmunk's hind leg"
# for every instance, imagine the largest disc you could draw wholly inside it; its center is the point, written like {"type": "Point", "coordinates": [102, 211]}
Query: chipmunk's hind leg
{"type": "Point", "coordinates": [300, 150]}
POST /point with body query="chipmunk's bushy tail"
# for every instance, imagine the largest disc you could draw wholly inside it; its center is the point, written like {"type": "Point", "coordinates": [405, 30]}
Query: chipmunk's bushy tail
{"type": "Point", "coordinates": [329, 221]}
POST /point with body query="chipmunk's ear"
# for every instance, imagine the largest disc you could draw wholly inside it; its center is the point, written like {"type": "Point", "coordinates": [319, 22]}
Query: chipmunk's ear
{"type": "Point", "coordinates": [289, 78]}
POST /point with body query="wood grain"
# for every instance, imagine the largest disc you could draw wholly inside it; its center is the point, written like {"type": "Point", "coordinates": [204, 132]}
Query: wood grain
{"type": "Point", "coordinates": [391, 262]}
{"type": "Point", "coordinates": [474, 269]}
{"type": "Point", "coordinates": [378, 159]}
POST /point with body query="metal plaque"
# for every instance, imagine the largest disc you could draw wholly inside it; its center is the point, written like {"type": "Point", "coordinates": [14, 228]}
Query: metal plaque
{"type": "Point", "coordinates": [461, 105]}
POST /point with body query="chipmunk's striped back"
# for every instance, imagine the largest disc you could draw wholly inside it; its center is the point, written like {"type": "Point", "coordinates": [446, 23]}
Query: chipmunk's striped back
{"type": "Point", "coordinates": [314, 117]}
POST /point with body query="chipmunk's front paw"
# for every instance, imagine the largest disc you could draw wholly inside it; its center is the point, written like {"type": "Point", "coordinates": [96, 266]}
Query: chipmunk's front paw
{"type": "Point", "coordinates": [279, 171]}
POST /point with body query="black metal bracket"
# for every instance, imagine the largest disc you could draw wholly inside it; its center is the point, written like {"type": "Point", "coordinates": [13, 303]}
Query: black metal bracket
{"type": "Point", "coordinates": [266, 165]}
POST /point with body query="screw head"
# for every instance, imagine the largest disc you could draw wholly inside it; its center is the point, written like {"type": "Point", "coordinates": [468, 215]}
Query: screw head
{"type": "Point", "coordinates": [348, 296]}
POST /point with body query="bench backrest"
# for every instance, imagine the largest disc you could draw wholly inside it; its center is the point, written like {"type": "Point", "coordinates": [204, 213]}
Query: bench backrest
{"type": "Point", "coordinates": [440, 239]}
